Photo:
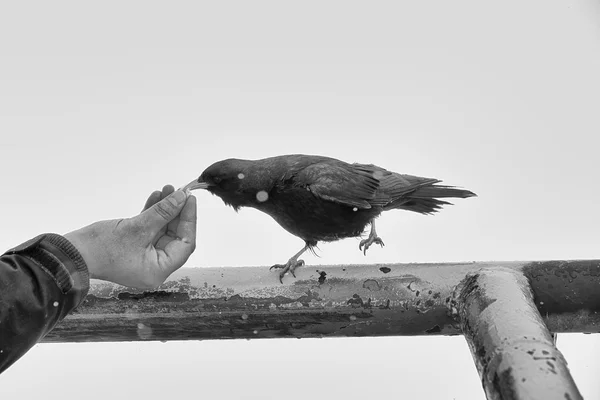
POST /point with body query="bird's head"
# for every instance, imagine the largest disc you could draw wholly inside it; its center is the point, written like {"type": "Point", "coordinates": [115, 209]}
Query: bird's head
{"type": "Point", "coordinates": [229, 180]}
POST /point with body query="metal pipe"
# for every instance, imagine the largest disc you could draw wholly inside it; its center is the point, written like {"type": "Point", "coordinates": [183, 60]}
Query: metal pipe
{"type": "Point", "coordinates": [324, 301]}
{"type": "Point", "coordinates": [513, 350]}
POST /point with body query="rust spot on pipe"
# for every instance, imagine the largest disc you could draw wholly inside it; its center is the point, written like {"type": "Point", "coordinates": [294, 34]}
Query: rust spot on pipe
{"type": "Point", "coordinates": [322, 277]}
{"type": "Point", "coordinates": [372, 285]}
{"type": "Point", "coordinates": [471, 288]}
{"type": "Point", "coordinates": [435, 329]}
{"type": "Point", "coordinates": [504, 384]}
{"type": "Point", "coordinates": [386, 306]}
{"type": "Point", "coordinates": [355, 301]}
{"type": "Point", "coordinates": [159, 296]}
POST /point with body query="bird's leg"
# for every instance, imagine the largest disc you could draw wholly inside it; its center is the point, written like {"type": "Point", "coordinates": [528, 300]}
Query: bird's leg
{"type": "Point", "coordinates": [291, 265]}
{"type": "Point", "coordinates": [373, 238]}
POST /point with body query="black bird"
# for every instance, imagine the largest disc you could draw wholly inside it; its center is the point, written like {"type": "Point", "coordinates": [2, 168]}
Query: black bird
{"type": "Point", "coordinates": [320, 198]}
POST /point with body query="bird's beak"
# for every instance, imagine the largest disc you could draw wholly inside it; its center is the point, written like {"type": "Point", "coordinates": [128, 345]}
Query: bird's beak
{"type": "Point", "coordinates": [196, 184]}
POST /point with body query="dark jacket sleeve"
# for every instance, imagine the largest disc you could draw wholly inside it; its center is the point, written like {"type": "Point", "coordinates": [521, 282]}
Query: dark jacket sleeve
{"type": "Point", "coordinates": [41, 281]}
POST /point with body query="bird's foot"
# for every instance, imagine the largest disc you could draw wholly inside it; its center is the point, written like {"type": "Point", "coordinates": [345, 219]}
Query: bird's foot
{"type": "Point", "coordinates": [289, 266]}
{"type": "Point", "coordinates": [368, 242]}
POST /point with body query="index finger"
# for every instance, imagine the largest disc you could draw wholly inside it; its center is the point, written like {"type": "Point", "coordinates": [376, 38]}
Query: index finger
{"type": "Point", "coordinates": [157, 196]}
{"type": "Point", "coordinates": [152, 200]}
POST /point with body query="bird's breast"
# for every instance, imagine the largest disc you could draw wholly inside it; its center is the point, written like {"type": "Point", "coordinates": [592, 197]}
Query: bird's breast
{"type": "Point", "coordinates": [305, 215]}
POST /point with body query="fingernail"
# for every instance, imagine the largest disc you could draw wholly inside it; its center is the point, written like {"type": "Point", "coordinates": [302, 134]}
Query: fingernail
{"type": "Point", "coordinates": [179, 196]}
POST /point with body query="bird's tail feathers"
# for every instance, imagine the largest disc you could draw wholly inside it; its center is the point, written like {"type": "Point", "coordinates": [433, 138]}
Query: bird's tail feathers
{"type": "Point", "coordinates": [433, 191]}
{"type": "Point", "coordinates": [425, 199]}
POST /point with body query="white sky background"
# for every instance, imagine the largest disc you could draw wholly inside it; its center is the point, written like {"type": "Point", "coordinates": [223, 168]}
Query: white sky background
{"type": "Point", "coordinates": [100, 104]}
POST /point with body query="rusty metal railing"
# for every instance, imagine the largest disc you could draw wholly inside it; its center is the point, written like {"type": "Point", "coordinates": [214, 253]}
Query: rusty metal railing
{"type": "Point", "coordinates": [506, 311]}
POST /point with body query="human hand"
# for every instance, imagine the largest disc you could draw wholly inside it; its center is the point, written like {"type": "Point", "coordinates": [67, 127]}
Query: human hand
{"type": "Point", "coordinates": [144, 250]}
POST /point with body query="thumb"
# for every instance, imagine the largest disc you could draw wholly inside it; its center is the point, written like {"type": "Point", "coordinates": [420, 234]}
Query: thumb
{"type": "Point", "coordinates": [165, 210]}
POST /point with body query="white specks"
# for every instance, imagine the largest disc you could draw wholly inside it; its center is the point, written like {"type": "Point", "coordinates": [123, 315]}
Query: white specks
{"type": "Point", "coordinates": [241, 176]}
{"type": "Point", "coordinates": [244, 316]}
{"type": "Point", "coordinates": [55, 304]}
{"type": "Point", "coordinates": [262, 196]}
{"type": "Point", "coordinates": [355, 209]}
{"type": "Point", "coordinates": [541, 303]}
{"type": "Point", "coordinates": [255, 332]}
{"type": "Point", "coordinates": [352, 318]}
{"type": "Point", "coordinates": [378, 175]}
{"type": "Point", "coordinates": [144, 331]}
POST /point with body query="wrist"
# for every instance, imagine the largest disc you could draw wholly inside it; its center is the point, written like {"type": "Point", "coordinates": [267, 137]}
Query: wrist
{"type": "Point", "coordinates": [81, 240]}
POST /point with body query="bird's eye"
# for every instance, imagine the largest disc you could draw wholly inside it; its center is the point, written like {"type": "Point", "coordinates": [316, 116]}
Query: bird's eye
{"type": "Point", "coordinates": [217, 179]}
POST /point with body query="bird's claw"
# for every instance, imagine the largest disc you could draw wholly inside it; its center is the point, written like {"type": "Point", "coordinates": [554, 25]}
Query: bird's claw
{"type": "Point", "coordinates": [290, 267]}
{"type": "Point", "coordinates": [368, 242]}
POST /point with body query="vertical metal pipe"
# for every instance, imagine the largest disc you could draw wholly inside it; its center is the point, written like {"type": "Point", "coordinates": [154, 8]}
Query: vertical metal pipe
{"type": "Point", "coordinates": [513, 350]}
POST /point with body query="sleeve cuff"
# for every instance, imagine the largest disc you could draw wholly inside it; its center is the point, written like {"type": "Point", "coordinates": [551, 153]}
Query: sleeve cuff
{"type": "Point", "coordinates": [62, 260]}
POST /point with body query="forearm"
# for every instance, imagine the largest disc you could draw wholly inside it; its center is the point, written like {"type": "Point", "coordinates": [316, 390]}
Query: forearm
{"type": "Point", "coordinates": [41, 281]}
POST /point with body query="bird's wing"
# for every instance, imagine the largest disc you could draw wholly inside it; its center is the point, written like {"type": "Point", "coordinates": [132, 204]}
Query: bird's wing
{"type": "Point", "coordinates": [394, 186]}
{"type": "Point", "coordinates": [397, 185]}
{"type": "Point", "coordinates": [354, 185]}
